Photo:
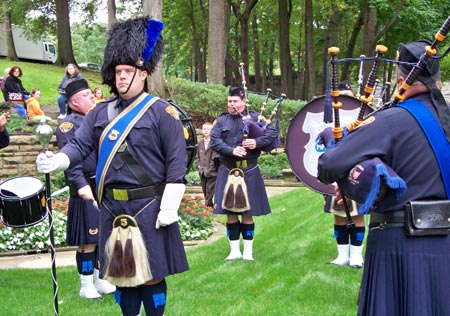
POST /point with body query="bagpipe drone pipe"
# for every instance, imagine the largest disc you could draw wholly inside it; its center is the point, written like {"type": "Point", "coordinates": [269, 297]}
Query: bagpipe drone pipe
{"type": "Point", "coordinates": [256, 129]}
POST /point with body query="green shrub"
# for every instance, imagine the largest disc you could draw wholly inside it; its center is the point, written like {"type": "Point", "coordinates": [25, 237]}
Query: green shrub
{"type": "Point", "coordinates": [272, 164]}
{"type": "Point", "coordinates": [210, 101]}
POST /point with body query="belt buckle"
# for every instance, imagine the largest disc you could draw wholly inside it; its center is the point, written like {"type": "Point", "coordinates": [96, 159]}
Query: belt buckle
{"type": "Point", "coordinates": [120, 194]}
{"type": "Point", "coordinates": [241, 163]}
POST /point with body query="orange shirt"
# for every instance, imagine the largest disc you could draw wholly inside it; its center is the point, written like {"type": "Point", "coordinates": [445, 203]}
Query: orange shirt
{"type": "Point", "coordinates": [33, 108]}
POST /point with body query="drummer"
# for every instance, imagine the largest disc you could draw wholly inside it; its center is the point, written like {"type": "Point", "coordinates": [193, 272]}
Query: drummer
{"type": "Point", "coordinates": [83, 217]}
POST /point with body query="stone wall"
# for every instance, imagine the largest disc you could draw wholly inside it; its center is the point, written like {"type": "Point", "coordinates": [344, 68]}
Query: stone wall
{"type": "Point", "coordinates": [18, 159]}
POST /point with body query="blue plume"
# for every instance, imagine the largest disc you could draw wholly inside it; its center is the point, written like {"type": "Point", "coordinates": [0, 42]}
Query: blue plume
{"type": "Point", "coordinates": [154, 29]}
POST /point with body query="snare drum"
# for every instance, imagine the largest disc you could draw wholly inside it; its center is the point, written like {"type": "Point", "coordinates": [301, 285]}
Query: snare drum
{"type": "Point", "coordinates": [22, 201]}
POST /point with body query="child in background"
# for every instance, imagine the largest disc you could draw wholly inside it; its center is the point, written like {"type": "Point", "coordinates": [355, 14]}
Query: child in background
{"type": "Point", "coordinates": [98, 95]}
{"type": "Point", "coordinates": [33, 106]}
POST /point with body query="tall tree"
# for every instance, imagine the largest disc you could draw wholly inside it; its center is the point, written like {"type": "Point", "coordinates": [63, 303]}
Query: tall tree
{"type": "Point", "coordinates": [154, 8]}
{"type": "Point", "coordinates": [310, 75]}
{"type": "Point", "coordinates": [65, 49]}
{"type": "Point", "coordinates": [11, 51]}
{"type": "Point", "coordinates": [243, 20]}
{"type": "Point", "coordinates": [256, 53]}
{"type": "Point", "coordinates": [199, 40]}
{"type": "Point", "coordinates": [284, 13]}
{"type": "Point", "coordinates": [218, 31]}
{"type": "Point", "coordinates": [111, 8]}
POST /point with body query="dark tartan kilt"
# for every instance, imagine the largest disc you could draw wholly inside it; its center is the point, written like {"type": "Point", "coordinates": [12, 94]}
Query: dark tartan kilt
{"type": "Point", "coordinates": [82, 222]}
{"type": "Point", "coordinates": [257, 195]}
{"type": "Point", "coordinates": [405, 275]}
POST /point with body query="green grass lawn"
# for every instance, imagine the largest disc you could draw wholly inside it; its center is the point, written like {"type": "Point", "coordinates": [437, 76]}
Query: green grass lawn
{"type": "Point", "coordinates": [291, 274]}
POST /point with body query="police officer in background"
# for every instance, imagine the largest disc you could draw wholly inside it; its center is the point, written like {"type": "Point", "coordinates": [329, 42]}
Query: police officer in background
{"type": "Point", "coordinates": [240, 187]}
{"type": "Point", "coordinates": [403, 274]}
{"type": "Point", "coordinates": [83, 216]}
{"type": "Point", "coordinates": [140, 170]}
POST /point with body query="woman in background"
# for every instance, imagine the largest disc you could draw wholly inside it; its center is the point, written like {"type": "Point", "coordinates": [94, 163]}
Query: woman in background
{"type": "Point", "coordinates": [72, 74]}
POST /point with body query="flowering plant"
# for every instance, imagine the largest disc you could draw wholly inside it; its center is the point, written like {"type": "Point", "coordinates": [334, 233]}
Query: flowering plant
{"type": "Point", "coordinates": [196, 219]}
{"type": "Point", "coordinates": [34, 237]}
{"type": "Point", "coordinates": [196, 223]}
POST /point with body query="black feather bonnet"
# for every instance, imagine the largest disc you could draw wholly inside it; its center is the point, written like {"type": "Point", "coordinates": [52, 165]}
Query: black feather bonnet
{"type": "Point", "coordinates": [136, 42]}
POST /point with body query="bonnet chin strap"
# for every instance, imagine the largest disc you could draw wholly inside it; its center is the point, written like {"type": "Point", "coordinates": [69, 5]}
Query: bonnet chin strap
{"type": "Point", "coordinates": [115, 133]}
{"type": "Point", "coordinates": [435, 135]}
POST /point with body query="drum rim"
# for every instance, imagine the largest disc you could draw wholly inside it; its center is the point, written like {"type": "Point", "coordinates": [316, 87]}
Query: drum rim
{"type": "Point", "coordinates": [17, 198]}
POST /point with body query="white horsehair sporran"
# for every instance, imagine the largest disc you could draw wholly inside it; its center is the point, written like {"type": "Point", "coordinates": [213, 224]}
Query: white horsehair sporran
{"type": "Point", "coordinates": [235, 192]}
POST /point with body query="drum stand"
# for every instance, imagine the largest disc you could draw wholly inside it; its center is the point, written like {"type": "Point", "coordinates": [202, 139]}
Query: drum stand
{"type": "Point", "coordinates": [44, 133]}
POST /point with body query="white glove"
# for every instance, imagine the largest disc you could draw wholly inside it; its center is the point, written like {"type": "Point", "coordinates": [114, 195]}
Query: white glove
{"type": "Point", "coordinates": [47, 162]}
{"type": "Point", "coordinates": [170, 202]}
{"type": "Point", "coordinates": [85, 193]}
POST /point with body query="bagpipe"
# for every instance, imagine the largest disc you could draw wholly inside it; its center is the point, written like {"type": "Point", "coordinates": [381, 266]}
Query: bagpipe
{"type": "Point", "coordinates": [326, 120]}
{"type": "Point", "coordinates": [256, 129]}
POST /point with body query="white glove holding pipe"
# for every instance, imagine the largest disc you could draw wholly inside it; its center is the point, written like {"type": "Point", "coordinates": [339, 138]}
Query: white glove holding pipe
{"type": "Point", "coordinates": [48, 162]}
{"type": "Point", "coordinates": [170, 202]}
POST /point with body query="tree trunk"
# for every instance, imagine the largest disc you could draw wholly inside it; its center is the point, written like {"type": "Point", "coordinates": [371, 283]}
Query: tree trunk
{"type": "Point", "coordinates": [11, 53]}
{"type": "Point", "coordinates": [351, 45]}
{"type": "Point", "coordinates": [111, 7]}
{"type": "Point", "coordinates": [65, 49]}
{"type": "Point", "coordinates": [243, 19]}
{"type": "Point", "coordinates": [256, 53]}
{"type": "Point", "coordinates": [204, 42]}
{"type": "Point", "coordinates": [370, 25]}
{"type": "Point", "coordinates": [310, 76]}
{"type": "Point", "coordinates": [197, 44]}
{"type": "Point", "coordinates": [219, 25]}
{"type": "Point", "coordinates": [285, 47]}
{"type": "Point", "coordinates": [153, 8]}
{"type": "Point", "coordinates": [329, 39]}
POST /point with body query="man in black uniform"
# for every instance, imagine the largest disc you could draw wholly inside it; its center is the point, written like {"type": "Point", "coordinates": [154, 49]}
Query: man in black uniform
{"type": "Point", "coordinates": [239, 172]}
{"type": "Point", "coordinates": [139, 141]}
{"type": "Point", "coordinates": [403, 275]}
{"type": "Point", "coordinates": [82, 216]}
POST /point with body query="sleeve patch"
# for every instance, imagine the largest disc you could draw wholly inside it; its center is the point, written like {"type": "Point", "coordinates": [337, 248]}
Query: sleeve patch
{"type": "Point", "coordinates": [66, 127]}
{"type": "Point", "coordinates": [172, 111]}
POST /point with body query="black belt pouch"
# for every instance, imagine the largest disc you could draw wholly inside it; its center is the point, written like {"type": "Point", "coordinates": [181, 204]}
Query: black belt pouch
{"type": "Point", "coordinates": [427, 218]}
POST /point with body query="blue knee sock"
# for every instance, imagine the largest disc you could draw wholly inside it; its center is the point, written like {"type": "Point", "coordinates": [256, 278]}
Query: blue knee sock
{"type": "Point", "coordinates": [85, 262]}
{"type": "Point", "coordinates": [154, 298]}
{"type": "Point", "coordinates": [129, 299]}
{"type": "Point", "coordinates": [341, 234]}
{"type": "Point", "coordinates": [233, 230]}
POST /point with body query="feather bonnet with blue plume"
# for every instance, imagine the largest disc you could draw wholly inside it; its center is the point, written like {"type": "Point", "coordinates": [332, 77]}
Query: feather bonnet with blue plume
{"type": "Point", "coordinates": [136, 42]}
